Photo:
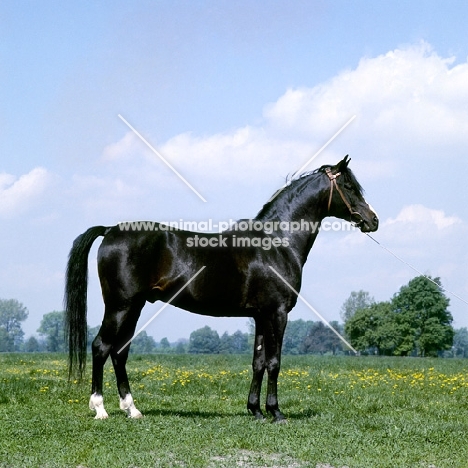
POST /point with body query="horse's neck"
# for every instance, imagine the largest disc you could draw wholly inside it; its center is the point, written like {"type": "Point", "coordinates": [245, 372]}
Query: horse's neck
{"type": "Point", "coordinates": [302, 240]}
{"type": "Point", "coordinates": [303, 217]}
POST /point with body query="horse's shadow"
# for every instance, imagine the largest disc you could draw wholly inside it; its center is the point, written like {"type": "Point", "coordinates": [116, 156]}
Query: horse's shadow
{"type": "Point", "coordinates": [192, 413]}
{"type": "Point", "coordinates": [196, 414]}
{"type": "Point", "coordinates": [303, 415]}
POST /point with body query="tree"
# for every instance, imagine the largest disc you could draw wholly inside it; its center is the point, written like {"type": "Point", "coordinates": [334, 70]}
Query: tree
{"type": "Point", "coordinates": [164, 346]}
{"type": "Point", "coordinates": [204, 341]}
{"type": "Point", "coordinates": [415, 322]}
{"type": "Point", "coordinates": [294, 335]}
{"type": "Point", "coordinates": [237, 343]}
{"type": "Point", "coordinates": [52, 329]}
{"type": "Point", "coordinates": [422, 309]}
{"type": "Point", "coordinates": [370, 330]}
{"type": "Point", "coordinates": [320, 339]}
{"type": "Point", "coordinates": [460, 343]}
{"type": "Point", "coordinates": [12, 313]}
{"type": "Point", "coordinates": [356, 300]}
{"type": "Point", "coordinates": [143, 344]}
{"type": "Point", "coordinates": [6, 341]}
{"type": "Point", "coordinates": [180, 347]}
{"type": "Point", "coordinates": [225, 343]}
{"type": "Point", "coordinates": [31, 345]}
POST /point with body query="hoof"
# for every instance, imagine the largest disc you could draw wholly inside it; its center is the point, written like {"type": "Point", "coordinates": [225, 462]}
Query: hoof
{"type": "Point", "coordinates": [135, 414]}
{"type": "Point", "coordinates": [279, 417]}
{"type": "Point", "coordinates": [127, 405]}
{"type": "Point", "coordinates": [257, 414]}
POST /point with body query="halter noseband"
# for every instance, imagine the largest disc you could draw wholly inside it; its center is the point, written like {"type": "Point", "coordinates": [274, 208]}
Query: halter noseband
{"type": "Point", "coordinates": [333, 183]}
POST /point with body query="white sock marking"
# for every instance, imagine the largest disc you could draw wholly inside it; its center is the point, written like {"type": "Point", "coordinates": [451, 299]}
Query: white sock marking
{"type": "Point", "coordinates": [96, 403]}
{"type": "Point", "coordinates": [127, 405]}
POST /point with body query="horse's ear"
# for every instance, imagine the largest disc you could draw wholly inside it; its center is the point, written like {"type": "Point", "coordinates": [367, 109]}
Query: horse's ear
{"type": "Point", "coordinates": [343, 164]}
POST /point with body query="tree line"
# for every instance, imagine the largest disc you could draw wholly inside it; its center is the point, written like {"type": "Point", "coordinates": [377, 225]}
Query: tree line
{"type": "Point", "coordinates": [414, 322]}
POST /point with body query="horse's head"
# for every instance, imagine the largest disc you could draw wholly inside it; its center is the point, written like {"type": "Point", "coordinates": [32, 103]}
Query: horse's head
{"type": "Point", "coordinates": [345, 199]}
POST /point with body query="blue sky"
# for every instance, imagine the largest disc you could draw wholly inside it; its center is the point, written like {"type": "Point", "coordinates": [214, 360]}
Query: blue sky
{"type": "Point", "coordinates": [237, 95]}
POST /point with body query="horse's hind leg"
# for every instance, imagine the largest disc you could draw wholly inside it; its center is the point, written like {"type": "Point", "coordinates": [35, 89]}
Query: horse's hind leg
{"type": "Point", "coordinates": [119, 360]}
{"type": "Point", "coordinates": [116, 330]}
{"type": "Point", "coordinates": [101, 350]}
{"type": "Point", "coordinates": [119, 355]}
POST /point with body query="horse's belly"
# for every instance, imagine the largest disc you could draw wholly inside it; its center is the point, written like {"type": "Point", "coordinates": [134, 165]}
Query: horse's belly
{"type": "Point", "coordinates": [218, 309]}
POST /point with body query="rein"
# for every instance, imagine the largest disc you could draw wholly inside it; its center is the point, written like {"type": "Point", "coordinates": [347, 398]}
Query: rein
{"type": "Point", "coordinates": [333, 184]}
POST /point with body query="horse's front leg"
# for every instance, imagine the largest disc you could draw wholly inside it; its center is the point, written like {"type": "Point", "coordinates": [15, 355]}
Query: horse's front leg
{"type": "Point", "coordinates": [274, 332]}
{"type": "Point", "coordinates": [258, 368]}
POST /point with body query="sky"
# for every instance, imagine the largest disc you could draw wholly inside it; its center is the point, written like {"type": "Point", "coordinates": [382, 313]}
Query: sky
{"type": "Point", "coordinates": [236, 96]}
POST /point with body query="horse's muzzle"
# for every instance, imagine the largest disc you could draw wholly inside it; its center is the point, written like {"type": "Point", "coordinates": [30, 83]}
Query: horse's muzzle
{"type": "Point", "coordinates": [369, 225]}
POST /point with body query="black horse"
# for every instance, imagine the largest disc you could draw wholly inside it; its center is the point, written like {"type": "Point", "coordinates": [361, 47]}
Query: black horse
{"type": "Point", "coordinates": [246, 273]}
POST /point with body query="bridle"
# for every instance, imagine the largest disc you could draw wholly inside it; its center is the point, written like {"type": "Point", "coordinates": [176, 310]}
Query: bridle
{"type": "Point", "coordinates": [333, 184]}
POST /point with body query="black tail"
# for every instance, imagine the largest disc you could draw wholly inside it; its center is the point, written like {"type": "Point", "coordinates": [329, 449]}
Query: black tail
{"type": "Point", "coordinates": [75, 301]}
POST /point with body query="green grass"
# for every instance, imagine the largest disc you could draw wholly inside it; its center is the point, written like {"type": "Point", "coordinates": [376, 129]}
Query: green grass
{"type": "Point", "coordinates": [342, 411]}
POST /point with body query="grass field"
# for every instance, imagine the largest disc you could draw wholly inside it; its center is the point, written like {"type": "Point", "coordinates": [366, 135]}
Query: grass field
{"type": "Point", "coordinates": [342, 411]}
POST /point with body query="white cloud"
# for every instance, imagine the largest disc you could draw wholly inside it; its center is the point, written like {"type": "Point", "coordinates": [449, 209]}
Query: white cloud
{"type": "Point", "coordinates": [420, 228]}
{"type": "Point", "coordinates": [415, 227]}
{"type": "Point", "coordinates": [126, 146]}
{"type": "Point", "coordinates": [6, 180]}
{"type": "Point", "coordinates": [409, 94]}
{"type": "Point", "coordinates": [19, 194]}
{"type": "Point", "coordinates": [245, 153]}
{"type": "Point", "coordinates": [424, 217]}
{"type": "Point", "coordinates": [408, 102]}
{"type": "Point", "coordinates": [407, 99]}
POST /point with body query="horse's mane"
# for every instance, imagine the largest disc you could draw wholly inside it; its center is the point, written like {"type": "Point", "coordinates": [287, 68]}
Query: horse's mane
{"type": "Point", "coordinates": [293, 181]}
